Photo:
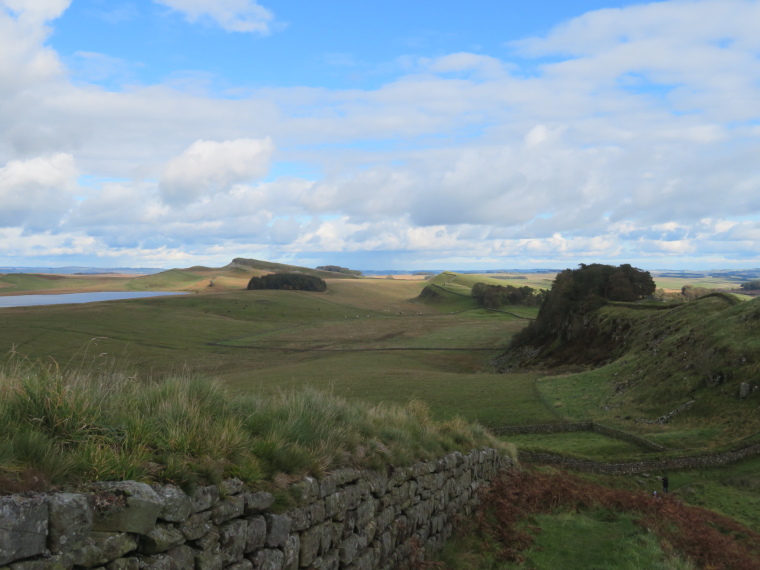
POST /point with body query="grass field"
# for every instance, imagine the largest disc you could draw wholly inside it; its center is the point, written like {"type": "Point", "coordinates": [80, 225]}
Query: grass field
{"type": "Point", "coordinates": [370, 340]}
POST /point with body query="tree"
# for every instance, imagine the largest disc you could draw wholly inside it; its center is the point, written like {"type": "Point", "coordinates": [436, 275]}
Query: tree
{"type": "Point", "coordinates": [288, 281]}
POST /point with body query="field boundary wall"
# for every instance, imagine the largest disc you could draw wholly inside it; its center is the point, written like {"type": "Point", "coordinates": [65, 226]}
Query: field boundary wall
{"type": "Point", "coordinates": [580, 426]}
{"type": "Point", "coordinates": [652, 465]}
{"type": "Point", "coordinates": [349, 520]}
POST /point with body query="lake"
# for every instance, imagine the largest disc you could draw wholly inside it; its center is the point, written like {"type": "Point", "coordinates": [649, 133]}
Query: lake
{"type": "Point", "coordinates": [66, 298]}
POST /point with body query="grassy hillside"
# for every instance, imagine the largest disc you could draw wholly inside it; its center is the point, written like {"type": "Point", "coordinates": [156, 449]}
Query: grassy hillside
{"type": "Point", "coordinates": [657, 360]}
{"type": "Point", "coordinates": [270, 267]}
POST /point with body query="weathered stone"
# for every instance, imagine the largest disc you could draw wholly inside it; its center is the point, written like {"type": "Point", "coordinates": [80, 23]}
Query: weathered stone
{"type": "Point", "coordinates": [278, 530]}
{"type": "Point", "coordinates": [267, 559]}
{"type": "Point", "coordinates": [228, 509]}
{"type": "Point", "coordinates": [256, 535]}
{"type": "Point", "coordinates": [317, 512]}
{"type": "Point", "coordinates": [348, 549]}
{"type": "Point", "coordinates": [204, 498]}
{"type": "Point", "coordinates": [160, 539]}
{"type": "Point", "coordinates": [309, 545]}
{"type": "Point", "coordinates": [70, 521]}
{"type": "Point", "coordinates": [177, 506]}
{"type": "Point", "coordinates": [103, 547]}
{"type": "Point", "coordinates": [155, 562]}
{"type": "Point", "coordinates": [232, 539]}
{"type": "Point", "coordinates": [196, 525]}
{"type": "Point", "coordinates": [50, 563]}
{"type": "Point", "coordinates": [209, 542]}
{"type": "Point", "coordinates": [231, 487]}
{"type": "Point", "coordinates": [306, 491]}
{"type": "Point", "coordinates": [365, 512]}
{"type": "Point", "coordinates": [208, 561]}
{"type": "Point", "coordinates": [327, 486]}
{"type": "Point", "coordinates": [257, 502]}
{"type": "Point", "coordinates": [292, 552]}
{"type": "Point", "coordinates": [244, 564]}
{"type": "Point", "coordinates": [131, 563]}
{"type": "Point", "coordinates": [125, 506]}
{"type": "Point", "coordinates": [181, 556]}
{"type": "Point", "coordinates": [744, 390]}
{"type": "Point", "coordinates": [335, 505]}
{"type": "Point", "coordinates": [299, 518]}
{"type": "Point", "coordinates": [328, 561]}
{"type": "Point", "coordinates": [24, 524]}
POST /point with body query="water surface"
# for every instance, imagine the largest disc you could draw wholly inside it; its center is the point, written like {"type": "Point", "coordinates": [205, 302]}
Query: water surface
{"type": "Point", "coordinates": [66, 298]}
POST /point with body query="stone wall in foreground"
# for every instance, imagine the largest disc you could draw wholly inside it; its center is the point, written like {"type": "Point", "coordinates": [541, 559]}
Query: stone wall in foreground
{"type": "Point", "coordinates": [351, 519]}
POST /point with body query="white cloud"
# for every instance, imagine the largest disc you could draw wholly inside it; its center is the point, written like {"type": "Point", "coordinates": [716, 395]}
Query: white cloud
{"type": "Point", "coordinates": [36, 194]}
{"type": "Point", "coordinates": [230, 15]}
{"type": "Point", "coordinates": [209, 167]}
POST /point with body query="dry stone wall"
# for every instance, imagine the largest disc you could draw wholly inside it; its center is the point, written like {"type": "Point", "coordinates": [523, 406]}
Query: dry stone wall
{"type": "Point", "coordinates": [351, 519]}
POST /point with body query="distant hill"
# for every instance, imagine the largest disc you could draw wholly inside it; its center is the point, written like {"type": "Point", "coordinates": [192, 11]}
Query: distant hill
{"type": "Point", "coordinates": [270, 267]}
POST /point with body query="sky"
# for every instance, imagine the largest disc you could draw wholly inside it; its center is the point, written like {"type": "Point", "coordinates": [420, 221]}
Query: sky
{"type": "Point", "coordinates": [408, 135]}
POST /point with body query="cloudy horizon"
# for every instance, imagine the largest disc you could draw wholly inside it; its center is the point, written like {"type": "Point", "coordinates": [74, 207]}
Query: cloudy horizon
{"type": "Point", "coordinates": [171, 133]}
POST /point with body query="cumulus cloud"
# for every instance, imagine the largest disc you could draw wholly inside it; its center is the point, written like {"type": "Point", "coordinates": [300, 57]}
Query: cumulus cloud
{"type": "Point", "coordinates": [210, 167]}
{"type": "Point", "coordinates": [615, 135]}
{"type": "Point", "coordinates": [230, 15]}
{"type": "Point", "coordinates": [36, 194]}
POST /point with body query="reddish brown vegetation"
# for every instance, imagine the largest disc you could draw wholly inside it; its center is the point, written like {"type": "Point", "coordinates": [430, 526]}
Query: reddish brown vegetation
{"type": "Point", "coordinates": [710, 540]}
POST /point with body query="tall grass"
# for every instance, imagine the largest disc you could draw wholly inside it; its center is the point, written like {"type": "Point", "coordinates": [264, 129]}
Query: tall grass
{"type": "Point", "coordinates": [105, 424]}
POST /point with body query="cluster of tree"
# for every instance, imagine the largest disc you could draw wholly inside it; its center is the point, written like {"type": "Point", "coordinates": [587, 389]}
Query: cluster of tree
{"type": "Point", "coordinates": [338, 269]}
{"type": "Point", "coordinates": [753, 285]}
{"type": "Point", "coordinates": [576, 292]}
{"type": "Point", "coordinates": [291, 281]}
{"type": "Point", "coordinates": [495, 296]}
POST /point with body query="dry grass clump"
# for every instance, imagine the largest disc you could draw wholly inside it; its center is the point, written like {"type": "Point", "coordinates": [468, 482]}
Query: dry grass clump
{"type": "Point", "coordinates": [72, 426]}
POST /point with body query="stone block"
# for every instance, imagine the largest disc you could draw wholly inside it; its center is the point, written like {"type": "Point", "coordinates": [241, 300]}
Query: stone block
{"type": "Point", "coordinates": [278, 530]}
{"type": "Point", "coordinates": [310, 541]}
{"type": "Point", "coordinates": [155, 562]}
{"type": "Point", "coordinates": [204, 498]}
{"type": "Point", "coordinates": [306, 491]}
{"type": "Point", "coordinates": [125, 506]}
{"type": "Point", "coordinates": [335, 505]}
{"type": "Point", "coordinates": [228, 509]}
{"type": "Point", "coordinates": [61, 562]}
{"type": "Point", "coordinates": [182, 556]}
{"type": "Point", "coordinates": [161, 538]}
{"type": "Point", "coordinates": [208, 561]}
{"type": "Point", "coordinates": [231, 487]}
{"type": "Point", "coordinates": [328, 561]}
{"type": "Point", "coordinates": [257, 502]}
{"type": "Point", "coordinates": [209, 542]}
{"type": "Point", "coordinates": [196, 525]}
{"type": "Point", "coordinates": [244, 564]}
{"type": "Point", "coordinates": [23, 527]}
{"type": "Point", "coordinates": [299, 518]}
{"type": "Point", "coordinates": [70, 521]}
{"type": "Point", "coordinates": [268, 559]}
{"type": "Point", "coordinates": [232, 539]}
{"type": "Point", "coordinates": [103, 547]}
{"type": "Point", "coordinates": [292, 552]}
{"type": "Point", "coordinates": [177, 506]}
{"type": "Point", "coordinates": [130, 563]}
{"type": "Point", "coordinates": [256, 535]}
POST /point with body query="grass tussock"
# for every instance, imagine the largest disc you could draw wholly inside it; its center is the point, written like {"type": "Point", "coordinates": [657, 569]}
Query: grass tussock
{"type": "Point", "coordinates": [73, 426]}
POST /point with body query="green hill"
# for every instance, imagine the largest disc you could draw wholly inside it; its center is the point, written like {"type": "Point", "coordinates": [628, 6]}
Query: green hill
{"type": "Point", "coordinates": [270, 267]}
{"type": "Point", "coordinates": [654, 363]}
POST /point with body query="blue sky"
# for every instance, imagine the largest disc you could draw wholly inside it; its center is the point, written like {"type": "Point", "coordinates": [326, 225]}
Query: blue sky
{"type": "Point", "coordinates": [396, 134]}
